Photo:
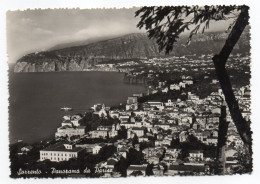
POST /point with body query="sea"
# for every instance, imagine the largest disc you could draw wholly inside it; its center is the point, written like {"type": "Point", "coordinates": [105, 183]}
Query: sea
{"type": "Point", "coordinates": [36, 98]}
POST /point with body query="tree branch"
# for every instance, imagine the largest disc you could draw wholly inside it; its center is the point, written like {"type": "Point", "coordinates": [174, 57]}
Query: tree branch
{"type": "Point", "coordinates": [243, 127]}
{"type": "Point", "coordinates": [241, 23]}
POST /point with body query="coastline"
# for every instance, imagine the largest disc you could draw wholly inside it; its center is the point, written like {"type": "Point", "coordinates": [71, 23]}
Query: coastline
{"type": "Point", "coordinates": [53, 90]}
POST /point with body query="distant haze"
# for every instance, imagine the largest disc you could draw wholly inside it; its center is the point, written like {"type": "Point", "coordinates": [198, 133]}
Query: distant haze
{"type": "Point", "coordinates": [37, 30]}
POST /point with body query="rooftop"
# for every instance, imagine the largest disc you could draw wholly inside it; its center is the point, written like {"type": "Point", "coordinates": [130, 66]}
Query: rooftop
{"type": "Point", "coordinates": [60, 147]}
{"type": "Point", "coordinates": [196, 151]}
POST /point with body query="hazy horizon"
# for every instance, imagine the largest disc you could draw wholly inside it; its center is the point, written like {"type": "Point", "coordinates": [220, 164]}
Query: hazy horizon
{"type": "Point", "coordinates": [38, 30]}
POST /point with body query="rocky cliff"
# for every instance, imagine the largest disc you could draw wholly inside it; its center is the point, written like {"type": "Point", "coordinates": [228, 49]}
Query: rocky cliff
{"type": "Point", "coordinates": [132, 46]}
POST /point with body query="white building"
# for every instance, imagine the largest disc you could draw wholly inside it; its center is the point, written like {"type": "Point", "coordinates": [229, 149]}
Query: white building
{"type": "Point", "coordinates": [139, 132]}
{"type": "Point", "coordinates": [157, 104]}
{"type": "Point", "coordinates": [132, 103]}
{"type": "Point", "coordinates": [61, 152]}
{"type": "Point", "coordinates": [175, 87]}
{"type": "Point", "coordinates": [68, 131]}
{"type": "Point", "coordinates": [196, 154]}
{"type": "Point", "coordinates": [90, 148]}
{"type": "Point", "coordinates": [100, 110]}
{"type": "Point", "coordinates": [98, 133]}
{"type": "Point", "coordinates": [165, 90]}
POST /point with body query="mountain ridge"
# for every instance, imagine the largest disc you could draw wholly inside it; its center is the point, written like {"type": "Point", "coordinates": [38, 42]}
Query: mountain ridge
{"type": "Point", "coordinates": [81, 42]}
{"type": "Point", "coordinates": [130, 46]}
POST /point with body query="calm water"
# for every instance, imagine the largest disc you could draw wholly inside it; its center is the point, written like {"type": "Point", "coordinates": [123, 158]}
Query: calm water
{"type": "Point", "coordinates": [36, 99]}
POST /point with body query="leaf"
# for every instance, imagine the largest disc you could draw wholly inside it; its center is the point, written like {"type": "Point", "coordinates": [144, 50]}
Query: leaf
{"type": "Point", "coordinates": [166, 23]}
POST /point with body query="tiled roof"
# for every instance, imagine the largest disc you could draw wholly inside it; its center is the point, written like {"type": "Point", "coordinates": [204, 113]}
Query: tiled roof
{"type": "Point", "coordinates": [60, 147]}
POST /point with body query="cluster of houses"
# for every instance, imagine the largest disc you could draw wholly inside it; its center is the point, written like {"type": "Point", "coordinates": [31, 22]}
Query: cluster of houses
{"type": "Point", "coordinates": [185, 64]}
{"type": "Point", "coordinates": [71, 126]}
{"type": "Point", "coordinates": [162, 87]}
{"type": "Point", "coordinates": [158, 124]}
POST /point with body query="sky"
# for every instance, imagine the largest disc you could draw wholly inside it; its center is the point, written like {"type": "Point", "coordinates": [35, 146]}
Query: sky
{"type": "Point", "coordinates": [37, 30]}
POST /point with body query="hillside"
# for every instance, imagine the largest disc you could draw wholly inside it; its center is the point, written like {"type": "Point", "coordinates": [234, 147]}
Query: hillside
{"type": "Point", "coordinates": [132, 46]}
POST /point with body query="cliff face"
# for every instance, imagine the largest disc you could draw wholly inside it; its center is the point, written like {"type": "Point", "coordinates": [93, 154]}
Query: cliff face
{"type": "Point", "coordinates": [126, 47]}
{"type": "Point", "coordinates": [80, 58]}
{"type": "Point", "coordinates": [44, 62]}
{"type": "Point", "coordinates": [32, 67]}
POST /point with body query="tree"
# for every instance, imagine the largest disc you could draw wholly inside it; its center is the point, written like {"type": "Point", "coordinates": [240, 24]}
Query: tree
{"type": "Point", "coordinates": [106, 152]}
{"type": "Point", "coordinates": [122, 133]}
{"type": "Point", "coordinates": [244, 159]}
{"type": "Point", "coordinates": [122, 166]}
{"type": "Point", "coordinates": [149, 170]}
{"type": "Point", "coordinates": [134, 157]}
{"type": "Point", "coordinates": [165, 25]}
{"type": "Point", "coordinates": [136, 173]}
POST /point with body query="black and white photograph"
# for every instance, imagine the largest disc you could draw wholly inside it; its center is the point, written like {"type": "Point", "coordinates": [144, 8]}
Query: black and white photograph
{"type": "Point", "coordinates": [123, 92]}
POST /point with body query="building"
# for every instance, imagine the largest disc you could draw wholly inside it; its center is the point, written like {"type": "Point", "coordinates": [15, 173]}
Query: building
{"type": "Point", "coordinates": [132, 103]}
{"type": "Point", "coordinates": [90, 148]}
{"type": "Point", "coordinates": [158, 170]}
{"type": "Point", "coordinates": [183, 136]}
{"type": "Point", "coordinates": [74, 120]}
{"type": "Point", "coordinates": [114, 131]}
{"type": "Point", "coordinates": [139, 132]}
{"type": "Point", "coordinates": [143, 139]}
{"type": "Point", "coordinates": [100, 110]}
{"type": "Point", "coordinates": [138, 95]}
{"type": "Point", "coordinates": [170, 103]}
{"type": "Point", "coordinates": [61, 152]}
{"type": "Point", "coordinates": [195, 155]}
{"type": "Point", "coordinates": [127, 125]}
{"type": "Point", "coordinates": [182, 84]}
{"type": "Point", "coordinates": [163, 126]}
{"type": "Point", "coordinates": [154, 103]}
{"type": "Point", "coordinates": [165, 90]}
{"type": "Point", "coordinates": [131, 106]}
{"type": "Point", "coordinates": [132, 100]}
{"type": "Point", "coordinates": [188, 82]}
{"type": "Point", "coordinates": [98, 133]}
{"type": "Point", "coordinates": [175, 87]}
{"type": "Point", "coordinates": [114, 114]}
{"type": "Point", "coordinates": [68, 131]}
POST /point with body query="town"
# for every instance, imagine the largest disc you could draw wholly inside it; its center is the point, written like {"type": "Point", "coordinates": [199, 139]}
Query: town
{"type": "Point", "coordinates": [171, 129]}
